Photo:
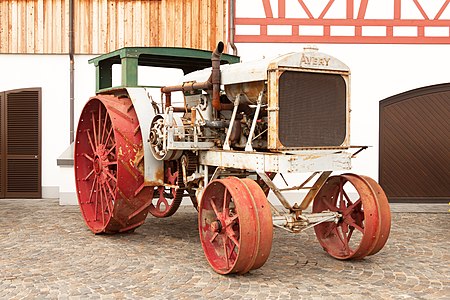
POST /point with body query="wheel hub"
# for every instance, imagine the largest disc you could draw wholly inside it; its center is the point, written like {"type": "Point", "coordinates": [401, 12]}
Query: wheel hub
{"type": "Point", "coordinates": [100, 162]}
{"type": "Point", "coordinates": [97, 165]}
{"type": "Point", "coordinates": [216, 226]}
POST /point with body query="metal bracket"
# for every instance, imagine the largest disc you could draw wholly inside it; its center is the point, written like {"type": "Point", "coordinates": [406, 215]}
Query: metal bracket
{"type": "Point", "coordinates": [292, 223]}
{"type": "Point", "coordinates": [313, 191]}
{"type": "Point", "coordinates": [357, 152]}
{"type": "Point", "coordinates": [275, 190]}
{"type": "Point", "coordinates": [226, 144]}
{"type": "Point", "coordinates": [248, 146]}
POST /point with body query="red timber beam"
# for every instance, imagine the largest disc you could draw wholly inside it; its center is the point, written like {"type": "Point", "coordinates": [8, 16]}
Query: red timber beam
{"type": "Point", "coordinates": [387, 35]}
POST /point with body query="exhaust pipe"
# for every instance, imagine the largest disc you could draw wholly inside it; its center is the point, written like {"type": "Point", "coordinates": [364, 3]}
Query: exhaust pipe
{"type": "Point", "coordinates": [215, 79]}
{"type": "Point", "coordinates": [212, 83]}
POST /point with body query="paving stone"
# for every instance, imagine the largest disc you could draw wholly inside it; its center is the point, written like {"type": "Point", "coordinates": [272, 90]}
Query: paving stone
{"type": "Point", "coordinates": [47, 252]}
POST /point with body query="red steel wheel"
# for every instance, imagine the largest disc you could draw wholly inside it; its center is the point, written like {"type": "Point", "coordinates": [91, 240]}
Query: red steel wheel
{"type": "Point", "coordinates": [357, 233]}
{"type": "Point", "coordinates": [167, 200]}
{"type": "Point", "coordinates": [108, 166]}
{"type": "Point", "coordinates": [229, 226]}
{"type": "Point", "coordinates": [385, 214]}
{"type": "Point", "coordinates": [265, 222]}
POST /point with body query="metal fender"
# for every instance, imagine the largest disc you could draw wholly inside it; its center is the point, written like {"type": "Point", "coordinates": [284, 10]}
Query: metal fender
{"type": "Point", "coordinates": [153, 168]}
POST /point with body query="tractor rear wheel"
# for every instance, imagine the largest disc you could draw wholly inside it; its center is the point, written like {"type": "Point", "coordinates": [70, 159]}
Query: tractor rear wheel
{"type": "Point", "coordinates": [109, 166]}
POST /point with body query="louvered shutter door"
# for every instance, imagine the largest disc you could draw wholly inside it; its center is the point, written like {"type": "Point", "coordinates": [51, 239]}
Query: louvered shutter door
{"type": "Point", "coordinates": [23, 135]}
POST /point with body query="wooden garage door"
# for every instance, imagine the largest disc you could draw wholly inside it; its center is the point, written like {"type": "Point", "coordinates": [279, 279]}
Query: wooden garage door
{"type": "Point", "coordinates": [415, 145]}
{"type": "Point", "coordinates": [20, 143]}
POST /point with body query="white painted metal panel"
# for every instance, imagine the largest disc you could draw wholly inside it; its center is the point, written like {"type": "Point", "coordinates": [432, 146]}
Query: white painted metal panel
{"type": "Point", "coordinates": [153, 169]}
{"type": "Point", "coordinates": [305, 161]}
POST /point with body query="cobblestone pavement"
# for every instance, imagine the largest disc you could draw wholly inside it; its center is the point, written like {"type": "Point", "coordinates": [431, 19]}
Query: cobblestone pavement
{"type": "Point", "coordinates": [48, 252]}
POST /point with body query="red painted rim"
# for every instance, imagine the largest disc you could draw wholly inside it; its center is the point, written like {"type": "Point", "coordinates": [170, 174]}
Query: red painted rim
{"type": "Point", "coordinates": [385, 214]}
{"type": "Point", "coordinates": [357, 233]}
{"type": "Point", "coordinates": [265, 222]}
{"type": "Point", "coordinates": [230, 226]}
{"type": "Point", "coordinates": [108, 166]}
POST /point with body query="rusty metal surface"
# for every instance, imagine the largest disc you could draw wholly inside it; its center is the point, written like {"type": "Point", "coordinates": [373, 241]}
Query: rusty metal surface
{"type": "Point", "coordinates": [145, 112]}
{"type": "Point", "coordinates": [232, 217]}
{"type": "Point", "coordinates": [363, 228]}
{"type": "Point", "coordinates": [109, 178]}
{"type": "Point", "coordinates": [213, 82]}
{"type": "Point", "coordinates": [304, 161]}
{"type": "Point", "coordinates": [167, 199]}
{"type": "Point", "coordinates": [384, 212]}
{"type": "Point", "coordinates": [312, 193]}
{"type": "Point", "coordinates": [265, 223]}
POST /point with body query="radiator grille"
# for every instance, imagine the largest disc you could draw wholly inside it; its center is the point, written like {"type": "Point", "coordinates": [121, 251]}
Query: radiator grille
{"type": "Point", "coordinates": [312, 109]}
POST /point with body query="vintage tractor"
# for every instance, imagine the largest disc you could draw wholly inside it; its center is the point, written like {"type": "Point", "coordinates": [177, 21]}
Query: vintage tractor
{"type": "Point", "coordinates": [238, 126]}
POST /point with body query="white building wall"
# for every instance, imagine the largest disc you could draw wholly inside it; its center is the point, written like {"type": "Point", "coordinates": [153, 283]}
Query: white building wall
{"type": "Point", "coordinates": [378, 71]}
{"type": "Point", "coordinates": [51, 73]}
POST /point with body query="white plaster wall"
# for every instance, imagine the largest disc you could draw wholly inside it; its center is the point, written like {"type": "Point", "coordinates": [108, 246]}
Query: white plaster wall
{"type": "Point", "coordinates": [378, 71]}
{"type": "Point", "coordinates": [51, 73]}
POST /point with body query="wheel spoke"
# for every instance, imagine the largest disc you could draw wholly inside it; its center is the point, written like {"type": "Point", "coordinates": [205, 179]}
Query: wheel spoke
{"type": "Point", "coordinates": [90, 141]}
{"type": "Point", "coordinates": [99, 121]}
{"type": "Point", "coordinates": [93, 128]}
{"type": "Point", "coordinates": [232, 237]}
{"type": "Point", "coordinates": [331, 227]}
{"type": "Point", "coordinates": [226, 200]}
{"type": "Point", "coordinates": [111, 190]}
{"type": "Point", "coordinates": [110, 175]}
{"type": "Point", "coordinates": [353, 224]}
{"type": "Point", "coordinates": [341, 195]}
{"type": "Point", "coordinates": [110, 163]}
{"type": "Point", "coordinates": [88, 157]}
{"type": "Point", "coordinates": [104, 128]}
{"type": "Point", "coordinates": [213, 237]}
{"type": "Point", "coordinates": [92, 189]}
{"type": "Point", "coordinates": [106, 200]}
{"type": "Point", "coordinates": [343, 237]}
{"type": "Point", "coordinates": [214, 207]}
{"type": "Point", "coordinates": [110, 150]}
{"type": "Point", "coordinates": [349, 202]}
{"type": "Point", "coordinates": [354, 205]}
{"type": "Point", "coordinates": [88, 175]}
{"type": "Point", "coordinates": [101, 205]}
{"type": "Point", "coordinates": [231, 220]}
{"type": "Point", "coordinates": [96, 200]}
{"type": "Point", "coordinates": [109, 135]}
{"type": "Point", "coordinates": [225, 249]}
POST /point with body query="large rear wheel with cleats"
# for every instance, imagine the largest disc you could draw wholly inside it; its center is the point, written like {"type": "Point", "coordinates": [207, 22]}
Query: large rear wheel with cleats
{"type": "Point", "coordinates": [365, 223]}
{"type": "Point", "coordinates": [109, 166]}
{"type": "Point", "coordinates": [235, 225]}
